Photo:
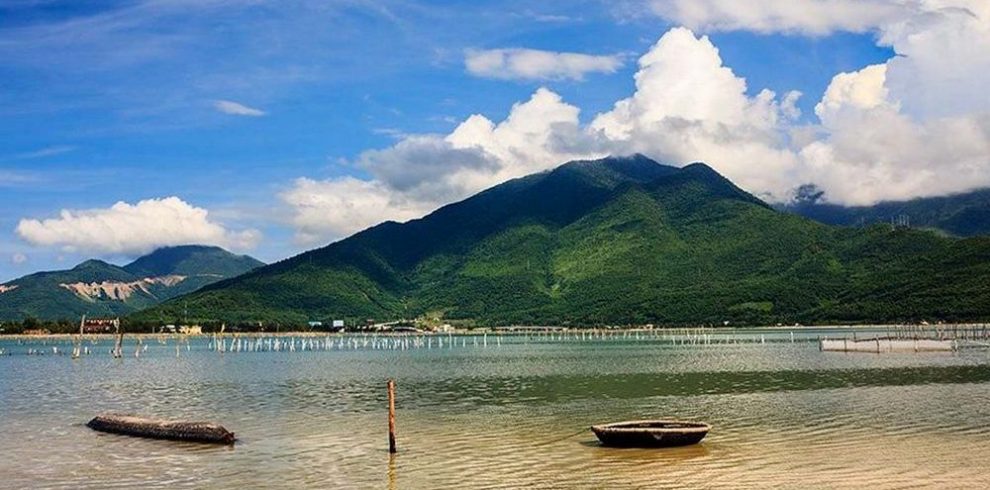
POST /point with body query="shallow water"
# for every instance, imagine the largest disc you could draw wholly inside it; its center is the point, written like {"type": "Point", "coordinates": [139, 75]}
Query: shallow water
{"type": "Point", "coordinates": [510, 414]}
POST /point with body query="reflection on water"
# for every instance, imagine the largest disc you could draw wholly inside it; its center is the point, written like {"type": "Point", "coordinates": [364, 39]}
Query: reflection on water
{"type": "Point", "coordinates": [508, 415]}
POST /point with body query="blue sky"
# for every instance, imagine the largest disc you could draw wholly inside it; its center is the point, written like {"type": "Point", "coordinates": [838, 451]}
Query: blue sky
{"type": "Point", "coordinates": [227, 104]}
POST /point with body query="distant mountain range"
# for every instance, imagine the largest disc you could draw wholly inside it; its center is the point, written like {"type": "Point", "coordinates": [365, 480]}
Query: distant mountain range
{"type": "Point", "coordinates": [966, 214]}
{"type": "Point", "coordinates": [96, 288]}
{"type": "Point", "coordinates": [617, 240]}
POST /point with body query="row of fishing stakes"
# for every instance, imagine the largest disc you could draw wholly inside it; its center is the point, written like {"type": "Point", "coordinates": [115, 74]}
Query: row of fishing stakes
{"type": "Point", "coordinates": [449, 341]}
{"type": "Point", "coordinates": [374, 342]}
{"type": "Point", "coordinates": [236, 343]}
{"type": "Point", "coordinates": [247, 343]}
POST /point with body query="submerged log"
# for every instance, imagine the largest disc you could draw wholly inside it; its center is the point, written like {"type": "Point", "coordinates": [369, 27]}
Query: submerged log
{"type": "Point", "coordinates": [132, 425]}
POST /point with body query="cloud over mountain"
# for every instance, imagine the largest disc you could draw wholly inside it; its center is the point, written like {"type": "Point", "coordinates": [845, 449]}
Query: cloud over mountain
{"type": "Point", "coordinates": [917, 125]}
{"type": "Point", "coordinates": [421, 172]}
{"type": "Point", "coordinates": [132, 229]}
{"type": "Point", "coordinates": [687, 106]}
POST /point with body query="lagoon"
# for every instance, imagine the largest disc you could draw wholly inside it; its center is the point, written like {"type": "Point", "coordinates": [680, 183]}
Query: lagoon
{"type": "Point", "coordinates": [506, 411]}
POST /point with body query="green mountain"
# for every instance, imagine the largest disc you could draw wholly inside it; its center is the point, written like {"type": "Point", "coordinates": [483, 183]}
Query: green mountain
{"type": "Point", "coordinates": [192, 260]}
{"type": "Point", "coordinates": [618, 240]}
{"type": "Point", "coordinates": [96, 288]}
{"type": "Point", "coordinates": [965, 214]}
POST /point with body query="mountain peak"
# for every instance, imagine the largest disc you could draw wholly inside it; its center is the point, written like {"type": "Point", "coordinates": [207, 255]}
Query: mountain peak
{"type": "Point", "coordinates": [701, 170]}
{"type": "Point", "coordinates": [699, 166]}
{"type": "Point", "coordinates": [192, 260]}
{"type": "Point", "coordinates": [92, 264]}
{"type": "Point", "coordinates": [614, 170]}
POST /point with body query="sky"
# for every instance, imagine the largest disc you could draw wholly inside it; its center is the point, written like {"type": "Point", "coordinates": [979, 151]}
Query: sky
{"type": "Point", "coordinates": [270, 128]}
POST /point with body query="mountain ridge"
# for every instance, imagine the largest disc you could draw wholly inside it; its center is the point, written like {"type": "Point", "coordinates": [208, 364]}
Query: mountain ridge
{"type": "Point", "coordinates": [616, 240]}
{"type": "Point", "coordinates": [96, 287]}
{"type": "Point", "coordinates": [963, 214]}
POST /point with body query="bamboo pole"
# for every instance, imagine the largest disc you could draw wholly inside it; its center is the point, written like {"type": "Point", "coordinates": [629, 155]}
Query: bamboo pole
{"type": "Point", "coordinates": [391, 417]}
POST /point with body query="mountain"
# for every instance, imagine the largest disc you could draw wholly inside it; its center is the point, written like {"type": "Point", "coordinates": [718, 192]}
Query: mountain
{"type": "Point", "coordinates": [618, 240]}
{"type": "Point", "coordinates": [966, 214]}
{"type": "Point", "coordinates": [96, 288]}
{"type": "Point", "coordinates": [192, 260]}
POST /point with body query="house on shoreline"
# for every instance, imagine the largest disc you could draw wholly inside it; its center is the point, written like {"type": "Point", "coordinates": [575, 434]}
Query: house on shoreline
{"type": "Point", "coordinates": [99, 325]}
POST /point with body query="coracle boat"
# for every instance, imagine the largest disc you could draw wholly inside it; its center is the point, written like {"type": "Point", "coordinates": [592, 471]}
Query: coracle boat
{"type": "Point", "coordinates": [651, 433]}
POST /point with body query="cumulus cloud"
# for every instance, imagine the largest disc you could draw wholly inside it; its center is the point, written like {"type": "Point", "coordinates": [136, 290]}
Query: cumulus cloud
{"type": "Point", "coordinates": [337, 207]}
{"type": "Point", "coordinates": [532, 64]}
{"type": "Point", "coordinates": [943, 59]}
{"type": "Point", "coordinates": [689, 106]}
{"type": "Point", "coordinates": [872, 150]}
{"type": "Point", "coordinates": [132, 229]}
{"type": "Point", "coordinates": [917, 125]}
{"type": "Point", "coordinates": [237, 109]}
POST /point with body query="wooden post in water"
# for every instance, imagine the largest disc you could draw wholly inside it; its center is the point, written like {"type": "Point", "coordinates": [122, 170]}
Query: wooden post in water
{"type": "Point", "coordinates": [77, 348]}
{"type": "Point", "coordinates": [118, 347]}
{"type": "Point", "coordinates": [391, 416]}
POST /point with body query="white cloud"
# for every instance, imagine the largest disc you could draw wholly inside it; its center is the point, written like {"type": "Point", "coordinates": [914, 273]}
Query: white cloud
{"type": "Point", "coordinates": [942, 46]}
{"type": "Point", "coordinates": [338, 207]}
{"type": "Point", "coordinates": [531, 64]}
{"type": "Point", "coordinates": [815, 17]}
{"type": "Point", "coordinates": [236, 109]}
{"type": "Point", "coordinates": [18, 258]}
{"type": "Point", "coordinates": [688, 106]}
{"type": "Point", "coordinates": [943, 59]}
{"type": "Point", "coordinates": [917, 125]}
{"type": "Point", "coordinates": [873, 151]}
{"type": "Point", "coordinates": [45, 152]}
{"type": "Point", "coordinates": [861, 90]}
{"type": "Point", "coordinates": [132, 229]}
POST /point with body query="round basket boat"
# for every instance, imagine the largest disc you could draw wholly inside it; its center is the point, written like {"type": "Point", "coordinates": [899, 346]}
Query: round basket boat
{"type": "Point", "coordinates": [651, 433]}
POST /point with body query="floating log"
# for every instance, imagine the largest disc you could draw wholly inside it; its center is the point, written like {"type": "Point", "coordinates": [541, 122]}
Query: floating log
{"type": "Point", "coordinates": [651, 433]}
{"type": "Point", "coordinates": [132, 425]}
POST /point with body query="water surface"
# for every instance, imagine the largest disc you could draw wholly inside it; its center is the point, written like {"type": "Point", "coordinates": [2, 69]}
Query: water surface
{"type": "Point", "coordinates": [501, 412]}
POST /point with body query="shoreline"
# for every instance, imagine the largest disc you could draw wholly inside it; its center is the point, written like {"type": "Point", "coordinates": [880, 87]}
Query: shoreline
{"type": "Point", "coordinates": [516, 330]}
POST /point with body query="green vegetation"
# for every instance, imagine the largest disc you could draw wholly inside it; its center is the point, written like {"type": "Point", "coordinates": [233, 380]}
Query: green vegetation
{"type": "Point", "coordinates": [42, 296]}
{"type": "Point", "coordinates": [613, 241]}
